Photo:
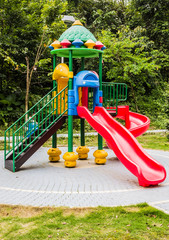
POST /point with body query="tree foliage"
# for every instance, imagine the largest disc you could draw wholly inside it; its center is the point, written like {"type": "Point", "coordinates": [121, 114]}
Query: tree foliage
{"type": "Point", "coordinates": [22, 25]}
{"type": "Point", "coordinates": [132, 59]}
{"type": "Point", "coordinates": [135, 32]}
{"type": "Point", "coordinates": [155, 18]}
{"type": "Point", "coordinates": [136, 36]}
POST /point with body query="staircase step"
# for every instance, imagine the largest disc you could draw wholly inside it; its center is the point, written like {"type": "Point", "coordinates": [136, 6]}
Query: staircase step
{"type": "Point", "coordinates": [21, 155]}
{"type": "Point", "coordinates": [24, 145]}
{"type": "Point", "coordinates": [9, 165]}
{"type": "Point", "coordinates": [37, 133]}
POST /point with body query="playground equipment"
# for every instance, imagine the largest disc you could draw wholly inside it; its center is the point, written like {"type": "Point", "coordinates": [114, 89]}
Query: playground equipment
{"type": "Point", "coordinates": [82, 96]}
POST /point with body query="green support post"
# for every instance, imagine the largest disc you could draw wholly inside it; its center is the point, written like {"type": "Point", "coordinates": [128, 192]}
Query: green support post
{"type": "Point", "coordinates": [82, 120]}
{"type": "Point", "coordinates": [54, 137]}
{"type": "Point", "coordinates": [100, 139]}
{"type": "Point", "coordinates": [70, 118]}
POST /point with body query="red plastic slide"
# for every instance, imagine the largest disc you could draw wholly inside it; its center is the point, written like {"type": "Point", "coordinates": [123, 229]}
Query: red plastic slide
{"type": "Point", "coordinates": [136, 123]}
{"type": "Point", "coordinates": [125, 146]}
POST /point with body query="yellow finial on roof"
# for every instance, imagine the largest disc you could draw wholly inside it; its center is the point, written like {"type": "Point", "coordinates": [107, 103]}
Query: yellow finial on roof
{"type": "Point", "coordinates": [77, 22]}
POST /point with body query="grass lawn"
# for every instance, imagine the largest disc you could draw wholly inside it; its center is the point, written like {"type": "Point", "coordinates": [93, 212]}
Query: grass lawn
{"type": "Point", "coordinates": [63, 141]}
{"type": "Point", "coordinates": [157, 141]}
{"type": "Point", "coordinates": [123, 223]}
{"type": "Point", "coordinates": [1, 145]}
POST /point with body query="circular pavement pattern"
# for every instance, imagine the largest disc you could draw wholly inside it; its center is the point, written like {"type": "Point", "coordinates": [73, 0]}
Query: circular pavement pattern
{"type": "Point", "coordinates": [41, 183]}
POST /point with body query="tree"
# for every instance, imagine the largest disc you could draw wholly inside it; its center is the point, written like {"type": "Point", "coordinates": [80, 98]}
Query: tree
{"type": "Point", "coordinates": [132, 58]}
{"type": "Point", "coordinates": [155, 18]}
{"type": "Point", "coordinates": [99, 15]}
{"type": "Point", "coordinates": [24, 39]}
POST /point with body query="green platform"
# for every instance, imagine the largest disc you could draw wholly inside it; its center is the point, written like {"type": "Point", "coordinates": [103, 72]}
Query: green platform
{"type": "Point", "coordinates": [77, 52]}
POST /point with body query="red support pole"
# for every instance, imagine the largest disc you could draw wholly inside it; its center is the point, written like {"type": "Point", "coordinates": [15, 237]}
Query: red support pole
{"type": "Point", "coordinates": [127, 120]}
{"type": "Point", "coordinates": [85, 97]}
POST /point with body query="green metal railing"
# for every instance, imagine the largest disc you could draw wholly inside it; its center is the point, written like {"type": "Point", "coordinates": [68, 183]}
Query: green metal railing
{"type": "Point", "coordinates": [26, 130]}
{"type": "Point", "coordinates": [113, 93]}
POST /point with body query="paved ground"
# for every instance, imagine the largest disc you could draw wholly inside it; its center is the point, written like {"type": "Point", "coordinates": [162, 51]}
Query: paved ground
{"type": "Point", "coordinates": [40, 183]}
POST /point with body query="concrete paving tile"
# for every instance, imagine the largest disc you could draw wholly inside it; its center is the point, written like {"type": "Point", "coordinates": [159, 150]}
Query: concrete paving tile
{"type": "Point", "coordinates": [41, 184]}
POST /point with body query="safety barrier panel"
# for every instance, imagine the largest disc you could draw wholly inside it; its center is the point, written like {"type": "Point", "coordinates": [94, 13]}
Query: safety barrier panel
{"type": "Point", "coordinates": [113, 93]}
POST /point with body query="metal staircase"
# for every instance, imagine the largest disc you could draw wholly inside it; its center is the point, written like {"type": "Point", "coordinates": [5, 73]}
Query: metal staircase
{"type": "Point", "coordinates": [34, 128]}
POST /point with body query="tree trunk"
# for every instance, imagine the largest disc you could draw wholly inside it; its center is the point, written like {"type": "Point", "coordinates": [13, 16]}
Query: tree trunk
{"type": "Point", "coordinates": [29, 72]}
{"type": "Point", "coordinates": [27, 85]}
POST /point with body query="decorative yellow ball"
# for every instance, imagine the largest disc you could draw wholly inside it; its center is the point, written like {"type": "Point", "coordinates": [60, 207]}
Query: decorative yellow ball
{"type": "Point", "coordinates": [54, 154]}
{"type": "Point", "coordinates": [82, 152]}
{"type": "Point", "coordinates": [54, 159]}
{"type": "Point", "coordinates": [100, 156]}
{"type": "Point", "coordinates": [70, 159]}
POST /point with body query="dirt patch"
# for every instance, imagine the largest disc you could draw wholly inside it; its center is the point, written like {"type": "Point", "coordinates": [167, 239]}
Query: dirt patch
{"type": "Point", "coordinates": [28, 212]}
{"type": "Point", "coordinates": [21, 211]}
{"type": "Point", "coordinates": [132, 209]}
{"type": "Point", "coordinates": [79, 212]}
{"type": "Point", "coordinates": [25, 228]}
{"type": "Point", "coordinates": [3, 227]}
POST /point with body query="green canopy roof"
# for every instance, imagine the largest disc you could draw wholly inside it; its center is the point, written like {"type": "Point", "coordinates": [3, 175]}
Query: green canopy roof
{"type": "Point", "coordinates": [77, 52]}
{"type": "Point", "coordinates": [77, 32]}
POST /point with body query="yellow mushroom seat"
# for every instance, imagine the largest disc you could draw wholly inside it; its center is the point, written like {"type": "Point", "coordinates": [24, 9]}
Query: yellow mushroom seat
{"type": "Point", "coordinates": [100, 156]}
{"type": "Point", "coordinates": [70, 159]}
{"type": "Point", "coordinates": [54, 154]}
{"type": "Point", "coordinates": [82, 152]}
